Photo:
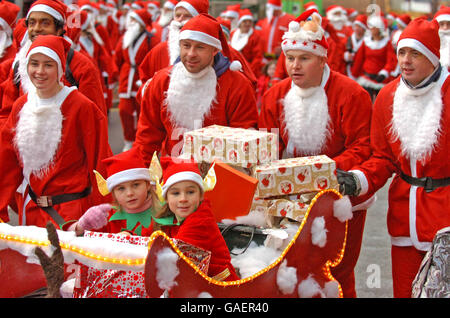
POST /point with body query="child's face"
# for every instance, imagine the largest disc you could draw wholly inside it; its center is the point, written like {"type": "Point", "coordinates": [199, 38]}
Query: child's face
{"type": "Point", "coordinates": [184, 198]}
{"type": "Point", "coordinates": [131, 195]}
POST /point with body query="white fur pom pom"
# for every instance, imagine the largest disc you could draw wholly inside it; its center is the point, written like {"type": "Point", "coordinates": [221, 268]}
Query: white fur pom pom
{"type": "Point", "coordinates": [318, 232]}
{"type": "Point", "coordinates": [342, 209]}
{"type": "Point", "coordinates": [286, 278]}
{"type": "Point", "coordinates": [309, 288]}
{"type": "Point", "coordinates": [236, 66]}
{"type": "Point", "coordinates": [294, 26]}
{"type": "Point", "coordinates": [331, 289]}
{"type": "Point", "coordinates": [167, 270]}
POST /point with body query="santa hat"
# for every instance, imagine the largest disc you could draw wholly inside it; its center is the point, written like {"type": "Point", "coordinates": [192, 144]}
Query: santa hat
{"type": "Point", "coordinates": [125, 166]}
{"type": "Point", "coordinates": [334, 9]}
{"type": "Point", "coordinates": [85, 19]}
{"type": "Point", "coordinates": [55, 8]}
{"type": "Point", "coordinates": [170, 4]}
{"type": "Point", "coordinates": [87, 5]}
{"type": "Point", "coordinates": [137, 5]}
{"type": "Point", "coordinates": [310, 5]}
{"type": "Point", "coordinates": [403, 20]}
{"type": "Point", "coordinates": [274, 4]}
{"type": "Point", "coordinates": [153, 5]}
{"type": "Point", "coordinates": [443, 14]}
{"type": "Point", "coordinates": [297, 38]}
{"type": "Point", "coordinates": [361, 20]}
{"type": "Point", "coordinates": [376, 21]}
{"type": "Point", "coordinates": [205, 28]}
{"type": "Point", "coordinates": [178, 170]}
{"type": "Point", "coordinates": [142, 16]}
{"type": "Point", "coordinates": [245, 14]}
{"type": "Point", "coordinates": [351, 12]}
{"type": "Point", "coordinates": [8, 15]}
{"type": "Point", "coordinates": [233, 11]}
{"type": "Point", "coordinates": [20, 32]}
{"type": "Point", "coordinates": [226, 26]}
{"type": "Point", "coordinates": [194, 7]}
{"type": "Point", "coordinates": [53, 46]}
{"type": "Point", "coordinates": [423, 36]}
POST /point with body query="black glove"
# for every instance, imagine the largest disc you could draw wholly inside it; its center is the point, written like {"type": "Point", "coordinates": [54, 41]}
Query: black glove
{"type": "Point", "coordinates": [380, 78]}
{"type": "Point", "coordinates": [348, 183]}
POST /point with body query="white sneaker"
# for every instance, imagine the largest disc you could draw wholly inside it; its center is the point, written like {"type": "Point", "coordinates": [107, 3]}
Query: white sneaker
{"type": "Point", "coordinates": [127, 145]}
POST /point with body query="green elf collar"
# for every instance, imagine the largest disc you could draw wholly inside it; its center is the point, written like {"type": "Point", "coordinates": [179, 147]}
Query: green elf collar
{"type": "Point", "coordinates": [144, 219]}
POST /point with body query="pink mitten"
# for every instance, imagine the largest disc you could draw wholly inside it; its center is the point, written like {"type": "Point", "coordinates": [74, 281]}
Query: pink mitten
{"type": "Point", "coordinates": [95, 217]}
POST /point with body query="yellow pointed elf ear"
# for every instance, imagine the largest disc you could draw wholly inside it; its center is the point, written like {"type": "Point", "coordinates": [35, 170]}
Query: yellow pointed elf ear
{"type": "Point", "coordinates": [101, 183]}
{"type": "Point", "coordinates": [156, 174]}
{"type": "Point", "coordinates": [209, 182]}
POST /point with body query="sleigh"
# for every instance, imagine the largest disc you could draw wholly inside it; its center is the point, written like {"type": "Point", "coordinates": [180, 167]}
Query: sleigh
{"type": "Point", "coordinates": [303, 268]}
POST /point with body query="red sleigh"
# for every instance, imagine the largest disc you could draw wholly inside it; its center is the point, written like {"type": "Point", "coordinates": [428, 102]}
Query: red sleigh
{"type": "Point", "coordinates": [311, 263]}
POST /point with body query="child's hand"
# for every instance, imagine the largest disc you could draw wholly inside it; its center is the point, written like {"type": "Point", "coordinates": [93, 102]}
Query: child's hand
{"type": "Point", "coordinates": [95, 217]}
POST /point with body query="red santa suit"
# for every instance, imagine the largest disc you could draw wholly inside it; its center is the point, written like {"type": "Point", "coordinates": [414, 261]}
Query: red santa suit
{"type": "Point", "coordinates": [272, 32]}
{"type": "Point", "coordinates": [322, 120]}
{"type": "Point", "coordinates": [8, 16]}
{"type": "Point", "coordinates": [410, 137]}
{"type": "Point", "coordinates": [128, 59]}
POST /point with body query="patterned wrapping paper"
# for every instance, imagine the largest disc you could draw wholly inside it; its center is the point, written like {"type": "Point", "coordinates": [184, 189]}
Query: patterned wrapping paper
{"type": "Point", "coordinates": [234, 146]}
{"type": "Point", "coordinates": [100, 283]}
{"type": "Point", "coordinates": [296, 176]}
{"type": "Point", "coordinates": [199, 256]}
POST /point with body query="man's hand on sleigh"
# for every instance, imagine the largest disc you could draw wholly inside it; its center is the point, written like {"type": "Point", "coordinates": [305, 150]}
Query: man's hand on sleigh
{"type": "Point", "coordinates": [348, 183]}
{"type": "Point", "coordinates": [53, 266]}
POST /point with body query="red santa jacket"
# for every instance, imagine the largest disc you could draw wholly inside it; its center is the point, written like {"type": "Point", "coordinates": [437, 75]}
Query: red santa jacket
{"type": "Point", "coordinates": [414, 215]}
{"type": "Point", "coordinates": [128, 61]}
{"type": "Point", "coordinates": [9, 52]}
{"type": "Point", "coordinates": [234, 106]}
{"type": "Point", "coordinates": [273, 31]}
{"type": "Point", "coordinates": [252, 51]}
{"type": "Point", "coordinates": [83, 144]}
{"type": "Point", "coordinates": [200, 229]}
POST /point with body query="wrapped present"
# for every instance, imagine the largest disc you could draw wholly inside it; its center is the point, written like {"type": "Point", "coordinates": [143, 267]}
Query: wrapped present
{"type": "Point", "coordinates": [234, 146]}
{"type": "Point", "coordinates": [199, 256]}
{"type": "Point", "coordinates": [93, 282]}
{"type": "Point", "coordinates": [296, 176]}
{"type": "Point", "coordinates": [233, 193]}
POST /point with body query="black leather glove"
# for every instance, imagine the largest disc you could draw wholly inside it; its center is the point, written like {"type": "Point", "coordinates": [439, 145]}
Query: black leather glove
{"type": "Point", "coordinates": [348, 183]}
{"type": "Point", "coordinates": [380, 78]}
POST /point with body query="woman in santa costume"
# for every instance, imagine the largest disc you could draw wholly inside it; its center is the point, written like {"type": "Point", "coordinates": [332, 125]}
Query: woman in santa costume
{"type": "Point", "coordinates": [203, 89]}
{"type": "Point", "coordinates": [53, 140]}
{"type": "Point", "coordinates": [245, 40]}
{"type": "Point", "coordinates": [314, 111]}
{"type": "Point", "coordinates": [136, 42]}
{"type": "Point", "coordinates": [410, 137]}
{"type": "Point", "coordinates": [375, 59]}
{"type": "Point", "coordinates": [188, 216]}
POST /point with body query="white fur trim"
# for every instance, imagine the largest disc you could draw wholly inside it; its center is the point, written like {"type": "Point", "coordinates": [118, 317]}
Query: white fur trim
{"type": "Point", "coordinates": [48, 52]}
{"type": "Point", "coordinates": [342, 209]}
{"type": "Point", "coordinates": [367, 82]}
{"type": "Point", "coordinates": [182, 176]}
{"type": "Point", "coordinates": [414, 44]}
{"type": "Point", "coordinates": [136, 16]}
{"type": "Point", "coordinates": [188, 7]}
{"type": "Point", "coordinates": [309, 288]}
{"type": "Point", "coordinates": [443, 17]}
{"type": "Point", "coordinates": [235, 66]}
{"type": "Point", "coordinates": [5, 26]}
{"type": "Point", "coordinates": [286, 278]}
{"type": "Point", "coordinates": [362, 181]}
{"type": "Point", "coordinates": [297, 38]}
{"type": "Point", "coordinates": [127, 175]}
{"type": "Point", "coordinates": [319, 232]}
{"type": "Point", "coordinates": [244, 18]}
{"type": "Point", "coordinates": [47, 9]}
{"type": "Point", "coordinates": [200, 37]}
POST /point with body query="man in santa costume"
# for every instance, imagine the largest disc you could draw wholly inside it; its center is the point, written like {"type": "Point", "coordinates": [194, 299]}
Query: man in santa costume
{"type": "Point", "coordinates": [375, 59]}
{"type": "Point", "coordinates": [273, 26]}
{"type": "Point", "coordinates": [48, 17]}
{"type": "Point", "coordinates": [354, 41]}
{"type": "Point", "coordinates": [245, 40]}
{"type": "Point", "coordinates": [314, 112]}
{"type": "Point", "coordinates": [232, 14]}
{"type": "Point", "coordinates": [129, 53]}
{"type": "Point", "coordinates": [202, 90]}
{"type": "Point", "coordinates": [53, 140]}
{"type": "Point", "coordinates": [410, 137]}
{"type": "Point", "coordinates": [443, 18]}
{"type": "Point", "coordinates": [166, 17]}
{"type": "Point", "coordinates": [8, 16]}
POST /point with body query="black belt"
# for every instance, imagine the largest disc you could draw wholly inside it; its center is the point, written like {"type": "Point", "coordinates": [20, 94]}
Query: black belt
{"type": "Point", "coordinates": [428, 183]}
{"type": "Point", "coordinates": [46, 202]}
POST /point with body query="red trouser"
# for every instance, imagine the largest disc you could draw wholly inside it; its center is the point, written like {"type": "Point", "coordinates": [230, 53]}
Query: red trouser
{"type": "Point", "coordinates": [344, 272]}
{"type": "Point", "coordinates": [405, 265]}
{"type": "Point", "coordinates": [127, 107]}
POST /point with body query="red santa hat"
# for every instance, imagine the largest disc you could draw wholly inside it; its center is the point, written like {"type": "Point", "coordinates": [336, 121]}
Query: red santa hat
{"type": "Point", "coordinates": [142, 16]}
{"type": "Point", "coordinates": [55, 8]}
{"type": "Point", "coordinates": [53, 46]}
{"type": "Point", "coordinates": [125, 166]}
{"type": "Point", "coordinates": [20, 32]}
{"type": "Point", "coordinates": [206, 29]}
{"type": "Point", "coordinates": [153, 5]}
{"type": "Point", "coordinates": [361, 20]}
{"type": "Point", "coordinates": [423, 36]}
{"type": "Point", "coordinates": [274, 4]}
{"type": "Point", "coordinates": [245, 14]}
{"type": "Point", "coordinates": [376, 21]}
{"type": "Point", "coordinates": [177, 170]}
{"type": "Point", "coordinates": [310, 5]}
{"type": "Point", "coordinates": [296, 38]}
{"type": "Point", "coordinates": [233, 11]}
{"type": "Point", "coordinates": [403, 20]}
{"type": "Point", "coordinates": [170, 4]}
{"type": "Point", "coordinates": [334, 9]}
{"type": "Point", "coordinates": [85, 19]}
{"type": "Point", "coordinates": [351, 12]}
{"type": "Point", "coordinates": [194, 7]}
{"type": "Point", "coordinates": [443, 14]}
{"type": "Point", "coordinates": [8, 15]}
{"type": "Point", "coordinates": [226, 26]}
{"type": "Point", "coordinates": [88, 5]}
